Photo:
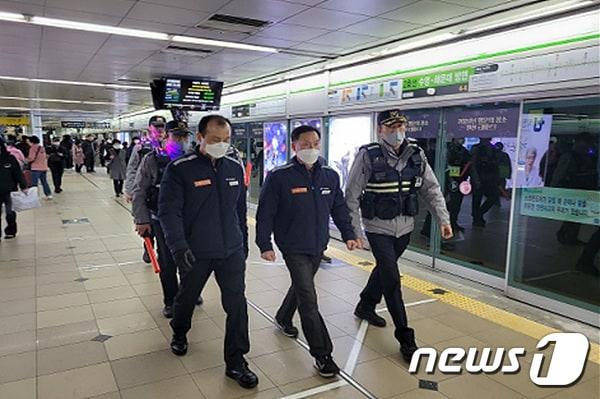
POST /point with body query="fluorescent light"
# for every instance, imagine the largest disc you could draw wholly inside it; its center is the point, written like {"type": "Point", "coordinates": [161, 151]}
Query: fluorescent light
{"type": "Point", "coordinates": [13, 17]}
{"type": "Point", "coordinates": [136, 113]}
{"type": "Point", "coordinates": [116, 30]}
{"type": "Point", "coordinates": [111, 30]}
{"type": "Point", "coordinates": [220, 43]}
{"type": "Point", "coordinates": [75, 83]}
{"type": "Point", "coordinates": [56, 100]}
{"type": "Point", "coordinates": [75, 111]}
{"type": "Point", "coordinates": [418, 43]}
{"type": "Point", "coordinates": [528, 15]}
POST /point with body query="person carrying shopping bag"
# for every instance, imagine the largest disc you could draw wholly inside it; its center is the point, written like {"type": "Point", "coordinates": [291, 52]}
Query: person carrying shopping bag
{"type": "Point", "coordinates": [11, 177]}
{"type": "Point", "coordinates": [37, 162]}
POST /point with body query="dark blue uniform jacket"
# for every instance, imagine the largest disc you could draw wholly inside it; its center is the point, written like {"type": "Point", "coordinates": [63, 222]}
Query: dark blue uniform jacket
{"type": "Point", "coordinates": [203, 206]}
{"type": "Point", "coordinates": [295, 204]}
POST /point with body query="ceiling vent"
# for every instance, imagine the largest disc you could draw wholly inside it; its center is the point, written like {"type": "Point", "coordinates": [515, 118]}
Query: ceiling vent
{"type": "Point", "coordinates": [230, 23]}
{"type": "Point", "coordinates": [188, 51]}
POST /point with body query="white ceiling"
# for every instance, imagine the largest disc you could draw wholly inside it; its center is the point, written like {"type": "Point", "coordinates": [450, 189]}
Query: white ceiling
{"type": "Point", "coordinates": [334, 27]}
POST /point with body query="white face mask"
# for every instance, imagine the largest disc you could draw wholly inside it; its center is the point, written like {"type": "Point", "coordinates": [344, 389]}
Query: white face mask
{"type": "Point", "coordinates": [394, 138]}
{"type": "Point", "coordinates": [217, 150]}
{"type": "Point", "coordinates": [309, 156]}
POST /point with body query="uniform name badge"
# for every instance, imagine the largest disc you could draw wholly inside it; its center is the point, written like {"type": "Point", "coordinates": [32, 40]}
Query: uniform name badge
{"type": "Point", "coordinates": [299, 190]}
{"type": "Point", "coordinates": [325, 191]}
{"type": "Point", "coordinates": [202, 183]}
{"type": "Point", "coordinates": [418, 181]}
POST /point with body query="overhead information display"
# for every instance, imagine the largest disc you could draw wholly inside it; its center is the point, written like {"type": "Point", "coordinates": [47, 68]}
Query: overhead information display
{"type": "Point", "coordinates": [203, 95]}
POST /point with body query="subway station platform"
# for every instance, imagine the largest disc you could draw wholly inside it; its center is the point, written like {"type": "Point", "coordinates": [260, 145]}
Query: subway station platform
{"type": "Point", "coordinates": [80, 317]}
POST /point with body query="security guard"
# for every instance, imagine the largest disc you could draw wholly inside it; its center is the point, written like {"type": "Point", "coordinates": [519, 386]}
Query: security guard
{"type": "Point", "coordinates": [145, 204]}
{"type": "Point", "coordinates": [385, 183]}
{"type": "Point", "coordinates": [202, 211]}
{"type": "Point", "coordinates": [156, 135]}
{"type": "Point", "coordinates": [295, 203]}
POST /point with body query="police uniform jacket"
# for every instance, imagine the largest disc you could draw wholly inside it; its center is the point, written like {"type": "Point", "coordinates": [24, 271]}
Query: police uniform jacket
{"type": "Point", "coordinates": [429, 192]}
{"type": "Point", "coordinates": [296, 204]}
{"type": "Point", "coordinates": [202, 206]}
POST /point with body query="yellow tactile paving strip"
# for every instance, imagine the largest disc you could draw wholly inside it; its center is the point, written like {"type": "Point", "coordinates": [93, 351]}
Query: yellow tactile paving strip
{"type": "Point", "coordinates": [506, 319]}
{"type": "Point", "coordinates": [499, 316]}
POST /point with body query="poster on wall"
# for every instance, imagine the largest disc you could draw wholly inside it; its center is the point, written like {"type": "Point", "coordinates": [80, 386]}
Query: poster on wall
{"type": "Point", "coordinates": [366, 93]}
{"type": "Point", "coordinates": [422, 123]}
{"type": "Point", "coordinates": [533, 145]}
{"type": "Point", "coordinates": [275, 145]}
{"type": "Point", "coordinates": [483, 122]}
{"type": "Point", "coordinates": [346, 136]}
{"type": "Point", "coordinates": [580, 206]}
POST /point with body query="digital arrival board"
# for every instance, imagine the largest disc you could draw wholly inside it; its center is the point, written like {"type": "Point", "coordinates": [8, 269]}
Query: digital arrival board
{"type": "Point", "coordinates": [202, 95]}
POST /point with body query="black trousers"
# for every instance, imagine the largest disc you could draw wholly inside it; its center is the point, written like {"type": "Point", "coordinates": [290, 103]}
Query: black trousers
{"type": "Point", "coordinates": [89, 163]}
{"type": "Point", "coordinates": [118, 185]}
{"type": "Point", "coordinates": [11, 216]}
{"type": "Point", "coordinates": [57, 175]}
{"type": "Point", "coordinates": [492, 195]}
{"type": "Point", "coordinates": [78, 168]}
{"type": "Point", "coordinates": [385, 281]}
{"type": "Point", "coordinates": [168, 269]}
{"type": "Point", "coordinates": [230, 275]}
{"type": "Point", "coordinates": [303, 296]}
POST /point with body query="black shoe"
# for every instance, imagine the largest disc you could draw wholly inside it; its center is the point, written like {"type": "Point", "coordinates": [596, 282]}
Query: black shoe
{"type": "Point", "coordinates": [325, 259]}
{"type": "Point", "coordinates": [168, 312]}
{"type": "Point", "coordinates": [287, 329]}
{"type": "Point", "coordinates": [179, 345]}
{"type": "Point", "coordinates": [369, 316]}
{"type": "Point", "coordinates": [199, 301]}
{"type": "Point", "coordinates": [243, 375]}
{"type": "Point", "coordinates": [407, 352]}
{"type": "Point", "coordinates": [479, 223]}
{"type": "Point", "coordinates": [58, 191]}
{"type": "Point", "coordinates": [146, 257]}
{"type": "Point", "coordinates": [326, 367]}
{"type": "Point", "coordinates": [9, 236]}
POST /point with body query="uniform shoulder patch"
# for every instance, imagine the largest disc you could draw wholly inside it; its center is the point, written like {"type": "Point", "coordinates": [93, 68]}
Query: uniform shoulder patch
{"type": "Point", "coordinates": [185, 159]}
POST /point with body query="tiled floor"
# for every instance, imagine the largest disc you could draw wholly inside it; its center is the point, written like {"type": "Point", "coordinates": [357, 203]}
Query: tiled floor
{"type": "Point", "coordinates": [80, 318]}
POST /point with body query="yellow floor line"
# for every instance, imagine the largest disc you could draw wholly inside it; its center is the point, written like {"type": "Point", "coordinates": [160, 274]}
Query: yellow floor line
{"type": "Point", "coordinates": [510, 320]}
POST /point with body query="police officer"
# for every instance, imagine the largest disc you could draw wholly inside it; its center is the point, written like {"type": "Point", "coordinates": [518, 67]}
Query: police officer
{"type": "Point", "coordinates": [202, 211]}
{"type": "Point", "coordinates": [156, 135]}
{"type": "Point", "coordinates": [145, 204]}
{"type": "Point", "coordinates": [295, 203]}
{"type": "Point", "coordinates": [385, 182]}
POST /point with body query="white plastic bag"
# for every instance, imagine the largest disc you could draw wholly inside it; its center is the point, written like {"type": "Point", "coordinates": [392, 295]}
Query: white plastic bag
{"type": "Point", "coordinates": [22, 201]}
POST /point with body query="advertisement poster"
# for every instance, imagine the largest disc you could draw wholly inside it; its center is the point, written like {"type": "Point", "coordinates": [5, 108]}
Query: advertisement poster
{"type": "Point", "coordinates": [533, 144]}
{"type": "Point", "coordinates": [275, 145]}
{"type": "Point", "coordinates": [422, 124]}
{"type": "Point", "coordinates": [580, 206]}
{"type": "Point", "coordinates": [483, 122]}
{"type": "Point", "coordinates": [346, 136]}
{"type": "Point", "coordinates": [366, 93]}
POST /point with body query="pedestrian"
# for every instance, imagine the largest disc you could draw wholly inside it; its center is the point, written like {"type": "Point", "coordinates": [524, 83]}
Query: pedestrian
{"type": "Point", "coordinates": [295, 204]}
{"type": "Point", "coordinates": [89, 153]}
{"type": "Point", "coordinates": [56, 163]}
{"type": "Point", "coordinates": [202, 211]}
{"type": "Point", "coordinates": [66, 145]}
{"type": "Point", "coordinates": [11, 142]}
{"type": "Point", "coordinates": [11, 178]}
{"type": "Point", "coordinates": [23, 145]}
{"type": "Point", "coordinates": [386, 181]}
{"type": "Point", "coordinates": [38, 164]}
{"type": "Point", "coordinates": [78, 157]}
{"type": "Point", "coordinates": [485, 176]}
{"type": "Point", "coordinates": [117, 166]}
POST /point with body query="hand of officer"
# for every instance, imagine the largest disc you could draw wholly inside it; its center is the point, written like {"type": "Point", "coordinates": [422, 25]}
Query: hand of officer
{"type": "Point", "coordinates": [446, 231]}
{"type": "Point", "coordinates": [269, 255]}
{"type": "Point", "coordinates": [143, 229]}
{"type": "Point", "coordinates": [184, 259]}
{"type": "Point", "coordinates": [353, 244]}
{"type": "Point", "coordinates": [128, 197]}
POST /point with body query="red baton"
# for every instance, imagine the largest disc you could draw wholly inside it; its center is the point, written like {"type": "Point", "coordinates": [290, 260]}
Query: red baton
{"type": "Point", "coordinates": [150, 249]}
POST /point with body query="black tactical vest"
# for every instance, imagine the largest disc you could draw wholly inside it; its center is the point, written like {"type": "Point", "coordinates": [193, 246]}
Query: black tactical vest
{"type": "Point", "coordinates": [152, 195]}
{"type": "Point", "coordinates": [390, 193]}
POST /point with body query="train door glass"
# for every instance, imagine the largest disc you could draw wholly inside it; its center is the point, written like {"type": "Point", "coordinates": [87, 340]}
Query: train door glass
{"type": "Point", "coordinates": [556, 225]}
{"type": "Point", "coordinates": [477, 159]}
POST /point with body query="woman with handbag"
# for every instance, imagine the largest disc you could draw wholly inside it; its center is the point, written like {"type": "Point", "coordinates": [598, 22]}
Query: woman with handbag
{"type": "Point", "coordinates": [11, 177]}
{"type": "Point", "coordinates": [78, 157]}
{"type": "Point", "coordinates": [37, 162]}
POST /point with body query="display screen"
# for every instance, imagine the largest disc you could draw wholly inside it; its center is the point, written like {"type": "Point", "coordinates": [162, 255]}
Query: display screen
{"type": "Point", "coordinates": [346, 136]}
{"type": "Point", "coordinates": [193, 94]}
{"type": "Point", "coordinates": [275, 145]}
